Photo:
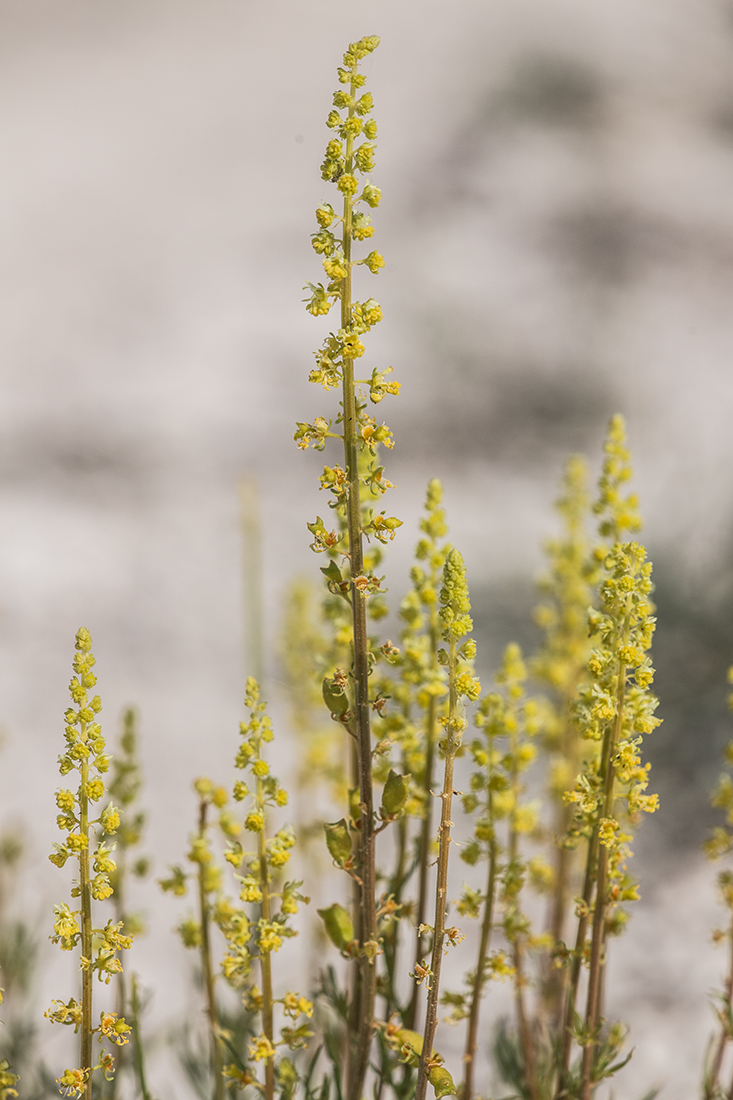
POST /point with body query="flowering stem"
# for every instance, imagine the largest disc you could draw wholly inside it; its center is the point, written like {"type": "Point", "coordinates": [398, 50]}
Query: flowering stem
{"type": "Point", "coordinates": [366, 961]}
{"type": "Point", "coordinates": [425, 832]}
{"type": "Point", "coordinates": [451, 747]}
{"type": "Point", "coordinates": [564, 860]}
{"type": "Point", "coordinates": [216, 1066]}
{"type": "Point", "coordinates": [710, 1085]}
{"type": "Point", "coordinates": [525, 1034]}
{"type": "Point", "coordinates": [608, 772]}
{"type": "Point", "coordinates": [567, 1041]}
{"type": "Point", "coordinates": [86, 929]}
{"type": "Point", "coordinates": [265, 961]}
{"type": "Point", "coordinates": [249, 503]}
{"type": "Point", "coordinates": [484, 944]}
{"type": "Point", "coordinates": [137, 1040]}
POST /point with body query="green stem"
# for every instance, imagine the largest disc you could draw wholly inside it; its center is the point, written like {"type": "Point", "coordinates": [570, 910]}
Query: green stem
{"type": "Point", "coordinates": [572, 994]}
{"type": "Point", "coordinates": [483, 951]}
{"type": "Point", "coordinates": [249, 502]}
{"type": "Point", "coordinates": [555, 980]}
{"type": "Point", "coordinates": [119, 904]}
{"type": "Point", "coordinates": [366, 960]}
{"type": "Point", "coordinates": [426, 830]}
{"type": "Point", "coordinates": [86, 930]}
{"type": "Point", "coordinates": [391, 935]}
{"type": "Point", "coordinates": [431, 1014]}
{"type": "Point", "coordinates": [525, 1032]}
{"type": "Point", "coordinates": [204, 910]}
{"type": "Point", "coordinates": [138, 1053]}
{"type": "Point", "coordinates": [265, 960]}
{"type": "Point", "coordinates": [710, 1085]}
{"type": "Point", "coordinates": [592, 1014]}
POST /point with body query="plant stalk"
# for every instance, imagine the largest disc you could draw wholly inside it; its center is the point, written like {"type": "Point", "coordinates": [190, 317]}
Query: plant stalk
{"type": "Point", "coordinates": [265, 960]}
{"type": "Point", "coordinates": [592, 1015]}
{"type": "Point", "coordinates": [138, 1054]}
{"type": "Point", "coordinates": [426, 827]}
{"type": "Point", "coordinates": [525, 1032]}
{"type": "Point", "coordinates": [216, 1061]}
{"type": "Point", "coordinates": [431, 1013]}
{"type": "Point", "coordinates": [572, 993]}
{"type": "Point", "coordinates": [483, 951]}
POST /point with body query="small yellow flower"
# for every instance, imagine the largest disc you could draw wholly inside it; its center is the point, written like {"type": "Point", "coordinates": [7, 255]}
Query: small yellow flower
{"type": "Point", "coordinates": [250, 891]}
{"type": "Point", "coordinates": [261, 1049]}
{"type": "Point", "coordinates": [295, 1005]}
{"type": "Point", "coordinates": [270, 938]}
{"type": "Point", "coordinates": [114, 1028]}
{"type": "Point", "coordinates": [254, 821]}
{"type": "Point", "coordinates": [72, 1082]}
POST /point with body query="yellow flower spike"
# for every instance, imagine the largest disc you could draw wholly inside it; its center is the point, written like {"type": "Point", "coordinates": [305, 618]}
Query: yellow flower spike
{"type": "Point", "coordinates": [250, 940]}
{"type": "Point", "coordinates": [613, 703]}
{"type": "Point", "coordinates": [85, 753]}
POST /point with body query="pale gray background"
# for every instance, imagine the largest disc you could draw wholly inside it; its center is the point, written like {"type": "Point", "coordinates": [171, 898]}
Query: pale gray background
{"type": "Point", "coordinates": [558, 230]}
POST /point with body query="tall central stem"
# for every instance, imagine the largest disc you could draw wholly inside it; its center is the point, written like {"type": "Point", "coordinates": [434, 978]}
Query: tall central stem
{"type": "Point", "coordinates": [368, 923]}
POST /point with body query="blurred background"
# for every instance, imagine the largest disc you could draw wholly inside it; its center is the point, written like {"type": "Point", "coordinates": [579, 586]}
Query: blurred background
{"type": "Point", "coordinates": [558, 233]}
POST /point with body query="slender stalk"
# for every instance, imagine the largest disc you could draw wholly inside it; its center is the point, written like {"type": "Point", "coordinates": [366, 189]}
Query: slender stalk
{"type": "Point", "coordinates": [86, 931]}
{"type": "Point", "coordinates": [119, 903]}
{"type": "Point", "coordinates": [249, 504]}
{"type": "Point", "coordinates": [213, 1012]}
{"type": "Point", "coordinates": [525, 1032]}
{"type": "Point", "coordinates": [391, 936]}
{"type": "Point", "coordinates": [265, 960]}
{"type": "Point", "coordinates": [431, 1014]}
{"type": "Point", "coordinates": [601, 903]}
{"type": "Point", "coordinates": [366, 961]}
{"type": "Point", "coordinates": [556, 979]}
{"type": "Point", "coordinates": [572, 993]}
{"type": "Point", "coordinates": [138, 1053]}
{"type": "Point", "coordinates": [483, 951]}
{"type": "Point", "coordinates": [712, 1078]}
{"type": "Point", "coordinates": [426, 829]}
